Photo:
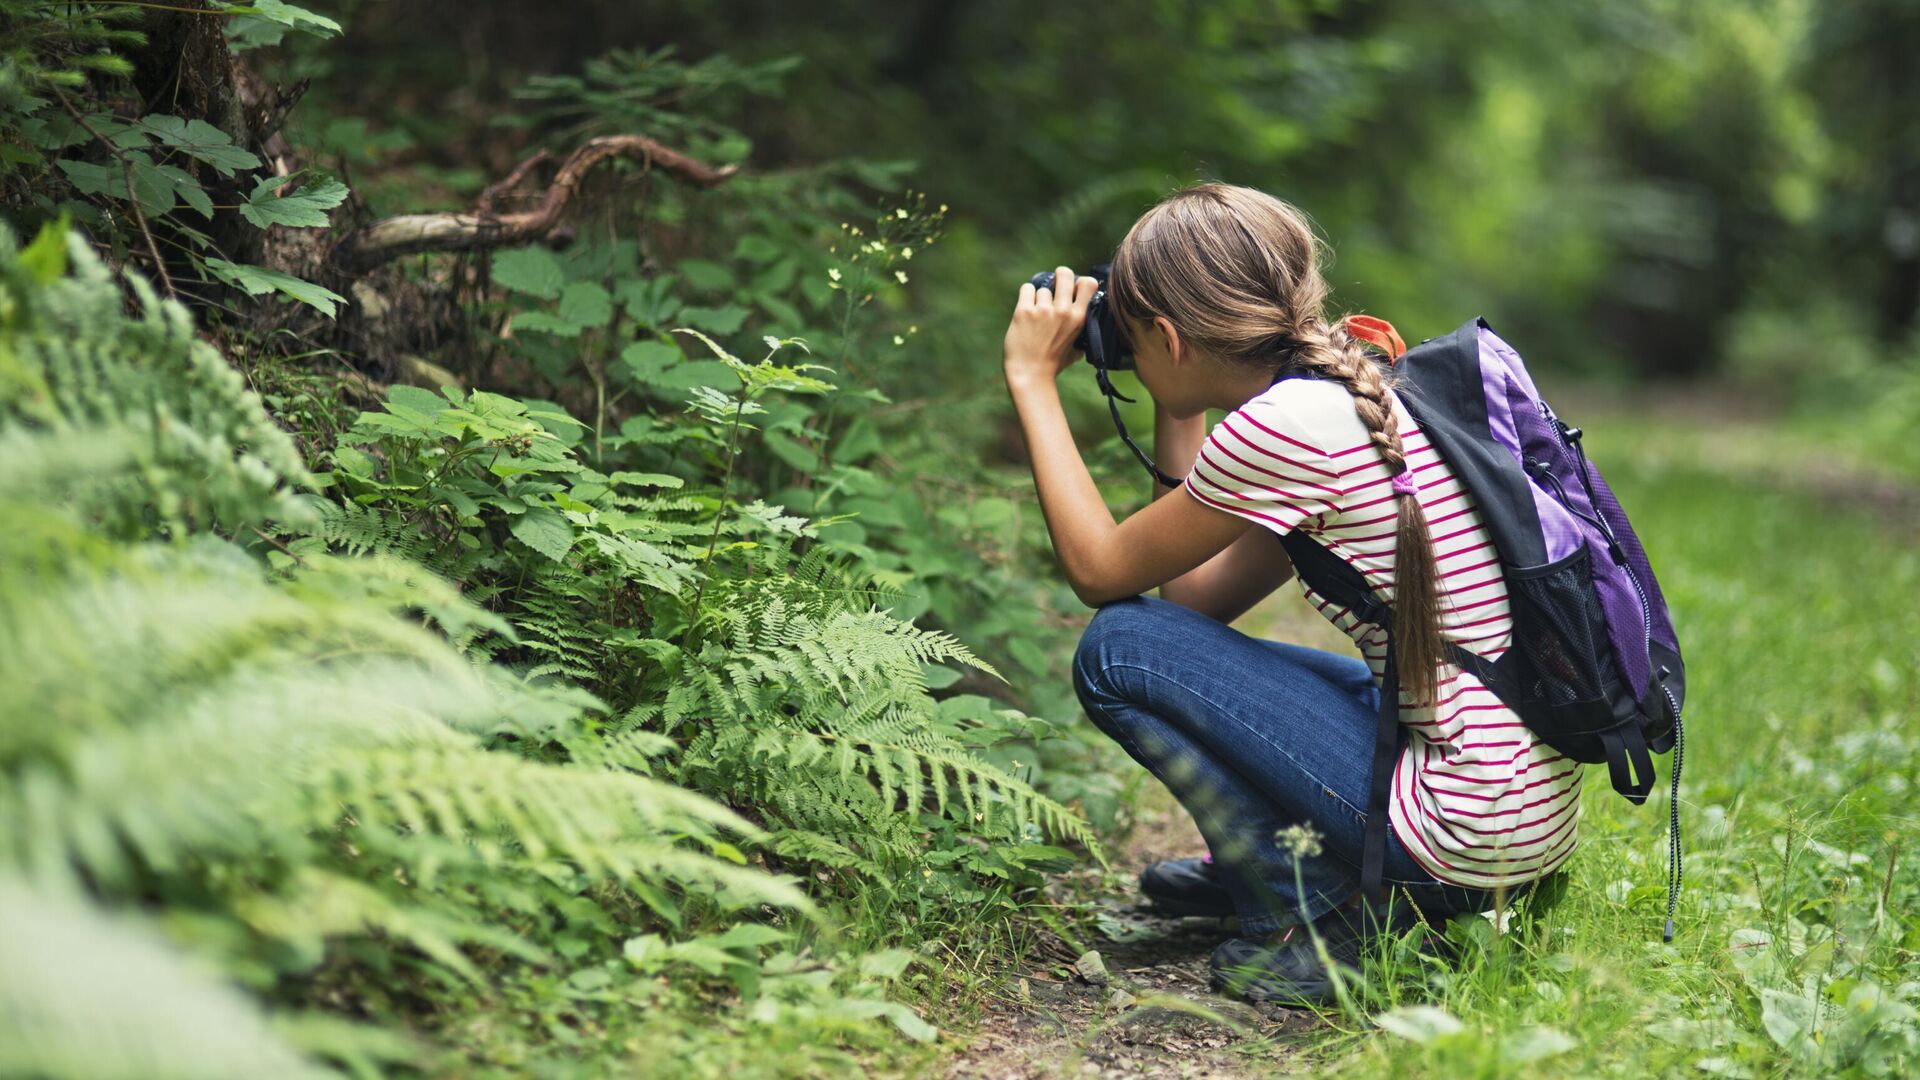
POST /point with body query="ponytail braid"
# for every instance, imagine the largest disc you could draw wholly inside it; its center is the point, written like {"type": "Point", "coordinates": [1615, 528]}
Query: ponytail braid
{"type": "Point", "coordinates": [1238, 271]}
{"type": "Point", "coordinates": [1333, 353]}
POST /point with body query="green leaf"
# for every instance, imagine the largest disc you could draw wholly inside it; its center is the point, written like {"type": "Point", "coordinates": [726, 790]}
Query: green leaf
{"type": "Point", "coordinates": [648, 360]}
{"type": "Point", "coordinates": [416, 399]}
{"type": "Point", "coordinates": [46, 258]}
{"type": "Point", "coordinates": [1419, 1023]}
{"type": "Point", "coordinates": [754, 247]}
{"type": "Point", "coordinates": [545, 531]}
{"type": "Point", "coordinates": [154, 188]}
{"type": "Point", "coordinates": [705, 274]}
{"type": "Point", "coordinates": [586, 304]}
{"type": "Point", "coordinates": [649, 301]}
{"type": "Point", "coordinates": [199, 139]}
{"type": "Point", "coordinates": [304, 209]}
{"type": "Point", "coordinates": [1534, 1044]}
{"type": "Point", "coordinates": [531, 270]}
{"type": "Point", "coordinates": [644, 479]}
{"type": "Point", "coordinates": [288, 15]}
{"type": "Point", "coordinates": [546, 323]}
{"type": "Point", "coordinates": [1788, 1018]}
{"type": "Point", "coordinates": [256, 280]}
{"type": "Point", "coordinates": [791, 451]}
{"type": "Point", "coordinates": [909, 1022]}
{"type": "Point", "coordinates": [91, 179]}
{"type": "Point", "coordinates": [749, 936]}
{"type": "Point", "coordinates": [716, 320]}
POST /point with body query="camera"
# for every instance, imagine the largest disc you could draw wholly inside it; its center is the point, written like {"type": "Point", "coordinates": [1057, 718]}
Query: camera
{"type": "Point", "coordinates": [1106, 349]}
{"type": "Point", "coordinates": [1100, 339]}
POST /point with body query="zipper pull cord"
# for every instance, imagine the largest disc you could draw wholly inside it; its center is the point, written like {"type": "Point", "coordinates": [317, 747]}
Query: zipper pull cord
{"type": "Point", "coordinates": [1676, 864]}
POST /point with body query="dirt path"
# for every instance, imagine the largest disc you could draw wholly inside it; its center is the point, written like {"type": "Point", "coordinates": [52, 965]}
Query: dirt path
{"type": "Point", "coordinates": [1151, 1013]}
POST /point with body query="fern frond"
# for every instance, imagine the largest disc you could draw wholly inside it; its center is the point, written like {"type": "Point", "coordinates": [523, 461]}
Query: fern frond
{"type": "Point", "coordinates": [83, 993]}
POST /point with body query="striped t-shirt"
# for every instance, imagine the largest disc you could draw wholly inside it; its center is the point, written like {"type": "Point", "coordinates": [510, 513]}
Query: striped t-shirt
{"type": "Point", "coordinates": [1477, 799]}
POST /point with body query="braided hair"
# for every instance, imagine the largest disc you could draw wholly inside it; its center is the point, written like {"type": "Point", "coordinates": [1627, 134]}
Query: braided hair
{"type": "Point", "coordinates": [1238, 271]}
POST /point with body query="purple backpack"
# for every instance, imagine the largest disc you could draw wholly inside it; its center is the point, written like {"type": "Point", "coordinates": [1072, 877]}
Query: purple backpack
{"type": "Point", "coordinates": [1595, 670]}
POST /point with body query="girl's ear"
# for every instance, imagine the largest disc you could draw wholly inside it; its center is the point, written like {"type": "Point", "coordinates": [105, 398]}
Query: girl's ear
{"type": "Point", "coordinates": [1176, 349]}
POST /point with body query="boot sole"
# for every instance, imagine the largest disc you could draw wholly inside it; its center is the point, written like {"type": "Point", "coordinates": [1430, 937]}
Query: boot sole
{"type": "Point", "coordinates": [1297, 995]}
{"type": "Point", "coordinates": [1188, 908]}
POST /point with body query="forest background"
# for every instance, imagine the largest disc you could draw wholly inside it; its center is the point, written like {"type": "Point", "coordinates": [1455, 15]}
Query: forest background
{"type": "Point", "coordinates": [531, 569]}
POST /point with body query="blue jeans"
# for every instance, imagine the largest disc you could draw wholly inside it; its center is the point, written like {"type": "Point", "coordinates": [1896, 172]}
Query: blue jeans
{"type": "Point", "coordinates": [1252, 737]}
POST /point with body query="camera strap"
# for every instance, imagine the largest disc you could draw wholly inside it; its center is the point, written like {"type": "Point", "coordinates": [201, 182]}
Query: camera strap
{"type": "Point", "coordinates": [1114, 397]}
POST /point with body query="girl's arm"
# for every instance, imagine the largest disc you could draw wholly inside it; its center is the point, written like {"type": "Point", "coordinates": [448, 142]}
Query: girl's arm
{"type": "Point", "coordinates": [1225, 586]}
{"type": "Point", "coordinates": [1104, 561]}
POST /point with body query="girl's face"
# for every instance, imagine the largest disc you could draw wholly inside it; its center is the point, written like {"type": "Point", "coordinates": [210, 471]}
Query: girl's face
{"type": "Point", "coordinates": [1168, 367]}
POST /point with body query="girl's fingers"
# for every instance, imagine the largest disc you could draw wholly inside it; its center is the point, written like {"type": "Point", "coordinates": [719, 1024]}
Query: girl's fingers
{"type": "Point", "coordinates": [1043, 298]}
{"type": "Point", "coordinates": [1063, 287]}
{"type": "Point", "coordinates": [1026, 295]}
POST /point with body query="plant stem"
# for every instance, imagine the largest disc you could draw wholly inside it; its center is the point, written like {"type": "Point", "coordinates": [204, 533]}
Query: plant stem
{"type": "Point", "coordinates": [713, 540]}
{"type": "Point", "coordinates": [133, 199]}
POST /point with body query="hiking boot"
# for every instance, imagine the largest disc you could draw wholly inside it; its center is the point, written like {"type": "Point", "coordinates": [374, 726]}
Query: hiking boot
{"type": "Point", "coordinates": [1286, 970]}
{"type": "Point", "coordinates": [1186, 887]}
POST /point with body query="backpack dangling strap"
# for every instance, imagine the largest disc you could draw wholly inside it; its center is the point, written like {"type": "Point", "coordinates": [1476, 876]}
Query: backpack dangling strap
{"type": "Point", "coordinates": [1627, 748]}
{"type": "Point", "coordinates": [1386, 746]}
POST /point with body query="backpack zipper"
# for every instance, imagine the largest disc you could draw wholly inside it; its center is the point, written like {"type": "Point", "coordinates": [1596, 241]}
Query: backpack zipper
{"type": "Point", "coordinates": [1613, 543]}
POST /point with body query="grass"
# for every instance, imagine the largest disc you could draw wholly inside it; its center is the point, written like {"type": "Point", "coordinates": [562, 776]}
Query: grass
{"type": "Point", "coordinates": [1796, 936]}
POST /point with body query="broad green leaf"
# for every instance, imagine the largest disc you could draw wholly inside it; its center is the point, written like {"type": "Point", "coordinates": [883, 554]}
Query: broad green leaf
{"type": "Point", "coordinates": [647, 360]}
{"type": "Point", "coordinates": [1419, 1023]}
{"type": "Point", "coordinates": [201, 140]}
{"type": "Point", "coordinates": [695, 374]}
{"type": "Point", "coordinates": [1789, 1018]}
{"type": "Point", "coordinates": [749, 936]}
{"type": "Point", "coordinates": [649, 301]}
{"type": "Point", "coordinates": [795, 454]}
{"type": "Point", "coordinates": [304, 209]}
{"type": "Point", "coordinates": [153, 187]}
{"type": "Point", "coordinates": [546, 323]}
{"type": "Point", "coordinates": [705, 274]}
{"type": "Point", "coordinates": [545, 531]}
{"type": "Point", "coordinates": [585, 303]}
{"type": "Point", "coordinates": [1534, 1044]}
{"type": "Point", "coordinates": [46, 258]}
{"type": "Point", "coordinates": [715, 320]}
{"type": "Point", "coordinates": [754, 247]}
{"type": "Point", "coordinates": [291, 16]}
{"type": "Point", "coordinates": [531, 270]}
{"type": "Point", "coordinates": [417, 399]}
{"type": "Point", "coordinates": [91, 179]}
{"type": "Point", "coordinates": [256, 280]}
{"type": "Point", "coordinates": [642, 479]}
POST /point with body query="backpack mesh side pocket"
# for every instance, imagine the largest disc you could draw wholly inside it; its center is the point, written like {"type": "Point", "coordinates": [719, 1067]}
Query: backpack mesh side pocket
{"type": "Point", "coordinates": [1560, 628]}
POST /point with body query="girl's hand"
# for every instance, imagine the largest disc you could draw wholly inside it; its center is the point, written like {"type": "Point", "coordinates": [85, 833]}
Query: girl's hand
{"type": "Point", "coordinates": [1039, 344]}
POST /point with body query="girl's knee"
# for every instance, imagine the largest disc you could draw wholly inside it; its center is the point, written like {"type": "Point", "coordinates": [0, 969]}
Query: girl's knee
{"type": "Point", "coordinates": [1113, 628]}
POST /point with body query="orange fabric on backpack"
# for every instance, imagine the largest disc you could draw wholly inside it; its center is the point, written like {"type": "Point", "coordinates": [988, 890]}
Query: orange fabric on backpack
{"type": "Point", "coordinates": [1376, 332]}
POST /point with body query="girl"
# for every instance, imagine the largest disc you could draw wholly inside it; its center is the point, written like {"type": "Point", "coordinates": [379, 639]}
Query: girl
{"type": "Point", "coordinates": [1268, 744]}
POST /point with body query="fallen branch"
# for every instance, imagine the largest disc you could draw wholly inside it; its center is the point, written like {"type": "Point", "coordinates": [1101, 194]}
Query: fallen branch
{"type": "Point", "coordinates": [408, 234]}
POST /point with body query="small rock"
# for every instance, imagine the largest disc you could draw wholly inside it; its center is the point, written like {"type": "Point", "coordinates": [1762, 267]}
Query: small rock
{"type": "Point", "coordinates": [1118, 999]}
{"type": "Point", "coordinates": [1091, 968]}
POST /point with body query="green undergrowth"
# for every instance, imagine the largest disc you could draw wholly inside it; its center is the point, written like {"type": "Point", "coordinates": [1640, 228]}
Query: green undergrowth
{"type": "Point", "coordinates": [475, 739]}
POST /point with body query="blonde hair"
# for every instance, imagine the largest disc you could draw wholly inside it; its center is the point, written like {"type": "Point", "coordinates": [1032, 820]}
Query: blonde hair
{"type": "Point", "coordinates": [1238, 272]}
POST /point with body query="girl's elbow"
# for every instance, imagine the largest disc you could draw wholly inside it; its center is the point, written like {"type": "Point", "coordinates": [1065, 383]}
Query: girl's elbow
{"type": "Point", "coordinates": [1094, 591]}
